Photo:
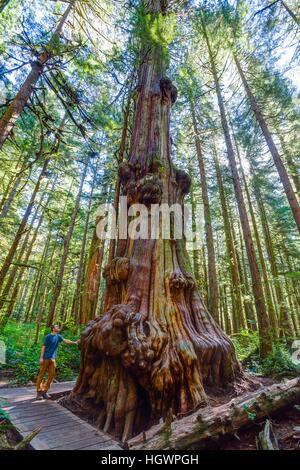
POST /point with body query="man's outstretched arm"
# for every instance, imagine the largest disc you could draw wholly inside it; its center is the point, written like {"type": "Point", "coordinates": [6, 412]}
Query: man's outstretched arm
{"type": "Point", "coordinates": [68, 341]}
{"type": "Point", "coordinates": [42, 354]}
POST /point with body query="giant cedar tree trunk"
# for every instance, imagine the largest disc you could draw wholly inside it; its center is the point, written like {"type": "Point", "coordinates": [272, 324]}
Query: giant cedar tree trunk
{"type": "Point", "coordinates": [156, 345]}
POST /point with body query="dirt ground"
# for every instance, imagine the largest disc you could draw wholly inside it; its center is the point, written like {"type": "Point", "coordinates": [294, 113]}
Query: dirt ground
{"type": "Point", "coordinates": [284, 424]}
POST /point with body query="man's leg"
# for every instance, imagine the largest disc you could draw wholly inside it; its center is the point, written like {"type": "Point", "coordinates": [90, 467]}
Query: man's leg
{"type": "Point", "coordinates": [43, 370]}
{"type": "Point", "coordinates": [51, 374]}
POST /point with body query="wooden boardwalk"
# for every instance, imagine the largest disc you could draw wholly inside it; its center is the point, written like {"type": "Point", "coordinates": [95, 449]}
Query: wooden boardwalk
{"type": "Point", "coordinates": [60, 429]}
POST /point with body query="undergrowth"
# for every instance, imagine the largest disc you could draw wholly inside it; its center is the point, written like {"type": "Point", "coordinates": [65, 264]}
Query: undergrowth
{"type": "Point", "coordinates": [278, 364]}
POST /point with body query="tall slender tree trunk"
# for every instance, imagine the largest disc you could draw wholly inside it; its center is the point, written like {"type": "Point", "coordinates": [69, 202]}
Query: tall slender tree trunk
{"type": "Point", "coordinates": [22, 226]}
{"type": "Point", "coordinates": [15, 292]}
{"type": "Point", "coordinates": [47, 262]}
{"type": "Point", "coordinates": [17, 105]}
{"type": "Point", "coordinates": [3, 4]}
{"type": "Point", "coordinates": [284, 318]}
{"type": "Point", "coordinates": [67, 241]}
{"type": "Point", "coordinates": [284, 177]}
{"type": "Point", "coordinates": [156, 346]}
{"type": "Point", "coordinates": [79, 286]}
{"type": "Point", "coordinates": [197, 253]}
{"type": "Point", "coordinates": [92, 278]}
{"type": "Point", "coordinates": [290, 12]}
{"type": "Point", "coordinates": [245, 286]}
{"type": "Point", "coordinates": [263, 321]}
{"type": "Point", "coordinates": [293, 167]}
{"type": "Point", "coordinates": [13, 271]}
{"type": "Point", "coordinates": [9, 199]}
{"type": "Point", "coordinates": [237, 304]}
{"type": "Point", "coordinates": [38, 281]}
{"type": "Point", "coordinates": [213, 289]}
{"type": "Point", "coordinates": [268, 292]}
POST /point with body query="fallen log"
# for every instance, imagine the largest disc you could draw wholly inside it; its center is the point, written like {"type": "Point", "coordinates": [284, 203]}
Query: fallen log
{"type": "Point", "coordinates": [211, 423]}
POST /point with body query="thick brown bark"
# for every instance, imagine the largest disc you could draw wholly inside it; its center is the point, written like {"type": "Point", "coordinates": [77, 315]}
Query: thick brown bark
{"type": "Point", "coordinates": [213, 288]}
{"type": "Point", "coordinates": [156, 346]}
{"type": "Point", "coordinates": [284, 177]}
{"type": "Point", "coordinates": [17, 105]}
{"type": "Point", "coordinates": [67, 241]}
{"type": "Point", "coordinates": [212, 423]}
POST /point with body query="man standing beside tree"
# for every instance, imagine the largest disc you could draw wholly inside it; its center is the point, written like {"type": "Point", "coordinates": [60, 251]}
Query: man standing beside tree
{"type": "Point", "coordinates": [48, 360]}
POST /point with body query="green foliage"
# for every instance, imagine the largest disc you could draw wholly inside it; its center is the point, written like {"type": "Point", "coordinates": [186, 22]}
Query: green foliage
{"type": "Point", "coordinates": [251, 415]}
{"type": "Point", "coordinates": [22, 355]}
{"type": "Point", "coordinates": [278, 363]}
{"type": "Point", "coordinates": [246, 343]}
{"type": "Point", "coordinates": [155, 30]}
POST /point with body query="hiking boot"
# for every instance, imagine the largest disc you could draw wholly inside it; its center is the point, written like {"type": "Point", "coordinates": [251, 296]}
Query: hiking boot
{"type": "Point", "coordinates": [46, 396]}
{"type": "Point", "coordinates": [39, 396]}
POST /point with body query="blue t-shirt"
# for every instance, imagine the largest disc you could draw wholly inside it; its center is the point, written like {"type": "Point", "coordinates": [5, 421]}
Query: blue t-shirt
{"type": "Point", "coordinates": [51, 343]}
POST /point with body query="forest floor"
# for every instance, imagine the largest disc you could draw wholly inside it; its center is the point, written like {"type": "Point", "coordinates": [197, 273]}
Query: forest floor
{"type": "Point", "coordinates": [22, 366]}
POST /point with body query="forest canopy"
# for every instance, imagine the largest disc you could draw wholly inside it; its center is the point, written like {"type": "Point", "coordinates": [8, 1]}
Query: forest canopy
{"type": "Point", "coordinates": [158, 101]}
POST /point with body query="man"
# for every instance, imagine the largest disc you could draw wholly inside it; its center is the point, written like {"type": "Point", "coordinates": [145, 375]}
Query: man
{"type": "Point", "coordinates": [47, 360]}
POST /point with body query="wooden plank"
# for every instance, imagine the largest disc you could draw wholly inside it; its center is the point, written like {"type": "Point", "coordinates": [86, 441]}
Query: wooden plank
{"type": "Point", "coordinates": [31, 411]}
{"type": "Point", "coordinates": [79, 444]}
{"type": "Point", "coordinates": [61, 429]}
{"type": "Point", "coordinates": [108, 446]}
{"type": "Point", "coordinates": [80, 439]}
{"type": "Point", "coordinates": [66, 436]}
{"type": "Point", "coordinates": [45, 422]}
{"type": "Point", "coordinates": [14, 393]}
